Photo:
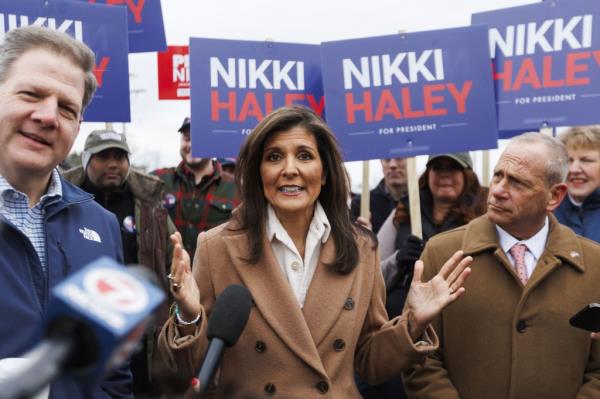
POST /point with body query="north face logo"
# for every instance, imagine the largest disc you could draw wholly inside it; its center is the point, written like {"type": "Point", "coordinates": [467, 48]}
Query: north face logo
{"type": "Point", "coordinates": [90, 234]}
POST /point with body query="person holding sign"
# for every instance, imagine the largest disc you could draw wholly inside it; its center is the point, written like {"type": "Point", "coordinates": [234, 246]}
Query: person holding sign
{"type": "Point", "coordinates": [314, 277]}
{"type": "Point", "coordinates": [450, 196]}
{"type": "Point", "coordinates": [581, 209]}
{"type": "Point", "coordinates": [510, 336]}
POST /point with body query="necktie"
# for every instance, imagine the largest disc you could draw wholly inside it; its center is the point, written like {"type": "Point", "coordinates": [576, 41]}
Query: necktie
{"type": "Point", "coordinates": [518, 253]}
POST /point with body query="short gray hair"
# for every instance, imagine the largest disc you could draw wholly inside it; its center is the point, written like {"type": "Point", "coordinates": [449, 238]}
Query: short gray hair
{"type": "Point", "coordinates": [557, 164]}
{"type": "Point", "coordinates": [20, 40]}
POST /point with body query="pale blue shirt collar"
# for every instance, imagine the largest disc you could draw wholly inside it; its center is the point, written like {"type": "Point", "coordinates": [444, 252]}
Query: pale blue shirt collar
{"type": "Point", "coordinates": [319, 225]}
{"type": "Point", "coordinates": [535, 244]}
{"type": "Point", "coordinates": [53, 193]}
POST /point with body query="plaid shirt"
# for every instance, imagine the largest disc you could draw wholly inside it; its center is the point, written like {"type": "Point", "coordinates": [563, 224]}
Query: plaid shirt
{"type": "Point", "coordinates": [197, 207]}
{"type": "Point", "coordinates": [14, 206]}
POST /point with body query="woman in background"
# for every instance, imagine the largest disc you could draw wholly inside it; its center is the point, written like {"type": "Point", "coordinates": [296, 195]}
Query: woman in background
{"type": "Point", "coordinates": [581, 209]}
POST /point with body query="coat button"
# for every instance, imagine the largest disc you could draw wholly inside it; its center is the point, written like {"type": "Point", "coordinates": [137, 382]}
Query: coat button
{"type": "Point", "coordinates": [322, 387]}
{"type": "Point", "coordinates": [260, 346]}
{"type": "Point", "coordinates": [270, 389]}
{"type": "Point", "coordinates": [521, 326]}
{"type": "Point", "coordinates": [349, 304]}
{"type": "Point", "coordinates": [339, 345]}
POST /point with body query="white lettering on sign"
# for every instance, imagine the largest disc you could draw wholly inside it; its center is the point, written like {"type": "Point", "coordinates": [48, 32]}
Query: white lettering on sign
{"type": "Point", "coordinates": [12, 21]}
{"type": "Point", "coordinates": [248, 73]}
{"type": "Point", "coordinates": [181, 68]}
{"type": "Point", "coordinates": [549, 36]}
{"type": "Point", "coordinates": [383, 70]}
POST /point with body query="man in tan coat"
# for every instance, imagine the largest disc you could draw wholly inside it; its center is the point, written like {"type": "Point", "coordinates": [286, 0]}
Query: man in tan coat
{"type": "Point", "coordinates": [509, 336]}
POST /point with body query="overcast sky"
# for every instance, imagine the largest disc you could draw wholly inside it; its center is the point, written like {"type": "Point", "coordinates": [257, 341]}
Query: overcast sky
{"type": "Point", "coordinates": [153, 128]}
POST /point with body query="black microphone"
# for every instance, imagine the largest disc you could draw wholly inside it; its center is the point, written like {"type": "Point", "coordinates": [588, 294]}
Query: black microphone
{"type": "Point", "coordinates": [94, 321]}
{"type": "Point", "coordinates": [225, 325]}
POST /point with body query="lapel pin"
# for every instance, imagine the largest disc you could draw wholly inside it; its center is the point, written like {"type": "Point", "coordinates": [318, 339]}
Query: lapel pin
{"type": "Point", "coordinates": [574, 254]}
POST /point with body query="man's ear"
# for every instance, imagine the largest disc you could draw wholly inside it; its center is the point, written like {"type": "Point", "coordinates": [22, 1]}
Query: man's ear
{"type": "Point", "coordinates": [557, 193]}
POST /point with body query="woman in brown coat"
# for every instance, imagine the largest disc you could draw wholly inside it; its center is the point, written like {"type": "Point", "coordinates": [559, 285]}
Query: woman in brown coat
{"type": "Point", "coordinates": [318, 293]}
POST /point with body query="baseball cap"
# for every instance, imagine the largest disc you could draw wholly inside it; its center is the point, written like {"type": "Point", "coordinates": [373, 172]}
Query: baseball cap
{"type": "Point", "coordinates": [100, 140]}
{"type": "Point", "coordinates": [186, 123]}
{"type": "Point", "coordinates": [463, 159]}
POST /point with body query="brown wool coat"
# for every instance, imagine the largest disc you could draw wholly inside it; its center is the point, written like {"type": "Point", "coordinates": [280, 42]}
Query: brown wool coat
{"type": "Point", "coordinates": [343, 324]}
{"type": "Point", "coordinates": [505, 341]}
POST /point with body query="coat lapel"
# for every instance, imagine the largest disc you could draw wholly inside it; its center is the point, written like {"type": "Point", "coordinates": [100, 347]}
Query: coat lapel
{"type": "Point", "coordinates": [326, 295]}
{"type": "Point", "coordinates": [562, 248]}
{"type": "Point", "coordinates": [274, 299]}
{"type": "Point", "coordinates": [481, 236]}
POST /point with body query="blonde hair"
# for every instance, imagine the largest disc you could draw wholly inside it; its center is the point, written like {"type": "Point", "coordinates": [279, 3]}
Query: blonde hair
{"type": "Point", "coordinates": [582, 137]}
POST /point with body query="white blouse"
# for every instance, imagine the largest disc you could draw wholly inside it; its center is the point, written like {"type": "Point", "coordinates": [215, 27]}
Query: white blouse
{"type": "Point", "coordinates": [299, 272]}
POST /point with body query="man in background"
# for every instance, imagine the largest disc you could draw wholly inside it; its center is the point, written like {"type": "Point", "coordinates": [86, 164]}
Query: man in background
{"type": "Point", "coordinates": [136, 199]}
{"type": "Point", "coordinates": [385, 196]}
{"type": "Point", "coordinates": [198, 195]}
{"type": "Point", "coordinates": [48, 227]}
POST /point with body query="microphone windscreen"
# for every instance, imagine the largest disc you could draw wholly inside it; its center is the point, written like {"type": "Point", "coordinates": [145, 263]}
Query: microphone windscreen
{"type": "Point", "coordinates": [229, 314]}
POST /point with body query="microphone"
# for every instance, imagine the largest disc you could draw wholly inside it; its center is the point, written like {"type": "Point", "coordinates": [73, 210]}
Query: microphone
{"type": "Point", "coordinates": [225, 325]}
{"type": "Point", "coordinates": [94, 321]}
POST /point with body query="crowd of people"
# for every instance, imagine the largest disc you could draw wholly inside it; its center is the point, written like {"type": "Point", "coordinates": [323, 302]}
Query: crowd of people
{"type": "Point", "coordinates": [478, 306]}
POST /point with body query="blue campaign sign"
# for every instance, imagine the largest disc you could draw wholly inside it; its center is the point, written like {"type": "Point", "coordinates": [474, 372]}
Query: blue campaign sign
{"type": "Point", "coordinates": [410, 94]}
{"type": "Point", "coordinates": [234, 84]}
{"type": "Point", "coordinates": [546, 59]}
{"type": "Point", "coordinates": [146, 27]}
{"type": "Point", "coordinates": [102, 28]}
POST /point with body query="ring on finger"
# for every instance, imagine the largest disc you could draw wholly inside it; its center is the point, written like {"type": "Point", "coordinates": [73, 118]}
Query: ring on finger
{"type": "Point", "coordinates": [170, 276]}
{"type": "Point", "coordinates": [176, 286]}
{"type": "Point", "coordinates": [451, 290]}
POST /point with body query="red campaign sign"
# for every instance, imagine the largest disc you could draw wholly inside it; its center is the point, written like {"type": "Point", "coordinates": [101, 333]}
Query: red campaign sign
{"type": "Point", "coordinates": [174, 73]}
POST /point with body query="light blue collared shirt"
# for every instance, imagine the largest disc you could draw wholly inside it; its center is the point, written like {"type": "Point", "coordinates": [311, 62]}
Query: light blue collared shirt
{"type": "Point", "coordinates": [14, 206]}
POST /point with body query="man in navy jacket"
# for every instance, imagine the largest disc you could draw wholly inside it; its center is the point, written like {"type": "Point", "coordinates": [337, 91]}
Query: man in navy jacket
{"type": "Point", "coordinates": [48, 228]}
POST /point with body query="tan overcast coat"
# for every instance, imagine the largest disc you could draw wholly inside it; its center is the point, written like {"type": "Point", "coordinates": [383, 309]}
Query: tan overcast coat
{"type": "Point", "coordinates": [505, 341]}
{"type": "Point", "coordinates": [298, 351]}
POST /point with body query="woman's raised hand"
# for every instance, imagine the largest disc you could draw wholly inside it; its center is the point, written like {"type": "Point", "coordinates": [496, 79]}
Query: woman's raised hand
{"type": "Point", "coordinates": [426, 300]}
{"type": "Point", "coordinates": [183, 285]}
